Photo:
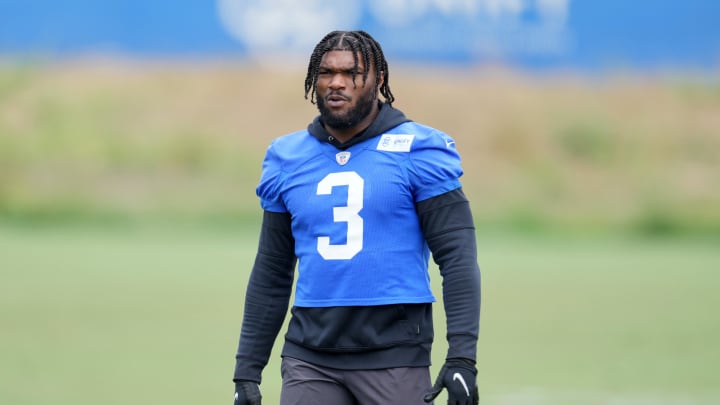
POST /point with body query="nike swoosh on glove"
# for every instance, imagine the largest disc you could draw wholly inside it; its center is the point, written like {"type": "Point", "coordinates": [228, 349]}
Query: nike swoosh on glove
{"type": "Point", "coordinates": [247, 393]}
{"type": "Point", "coordinates": [458, 376]}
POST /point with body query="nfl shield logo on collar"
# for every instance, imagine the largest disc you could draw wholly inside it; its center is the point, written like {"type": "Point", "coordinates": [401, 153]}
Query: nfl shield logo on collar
{"type": "Point", "coordinates": [342, 157]}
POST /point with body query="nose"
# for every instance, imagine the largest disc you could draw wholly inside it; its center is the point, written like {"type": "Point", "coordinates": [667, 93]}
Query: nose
{"type": "Point", "coordinates": [337, 81]}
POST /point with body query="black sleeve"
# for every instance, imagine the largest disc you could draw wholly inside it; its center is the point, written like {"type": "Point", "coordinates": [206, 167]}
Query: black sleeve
{"type": "Point", "coordinates": [448, 226]}
{"type": "Point", "coordinates": [267, 296]}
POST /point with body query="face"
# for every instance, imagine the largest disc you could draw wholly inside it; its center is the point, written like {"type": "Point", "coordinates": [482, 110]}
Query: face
{"type": "Point", "coordinates": [344, 105]}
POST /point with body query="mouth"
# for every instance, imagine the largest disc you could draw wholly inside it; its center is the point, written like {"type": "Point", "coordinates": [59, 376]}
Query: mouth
{"type": "Point", "coordinates": [336, 100]}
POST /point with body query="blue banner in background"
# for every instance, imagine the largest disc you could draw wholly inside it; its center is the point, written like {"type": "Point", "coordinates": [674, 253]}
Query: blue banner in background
{"type": "Point", "coordinates": [534, 34]}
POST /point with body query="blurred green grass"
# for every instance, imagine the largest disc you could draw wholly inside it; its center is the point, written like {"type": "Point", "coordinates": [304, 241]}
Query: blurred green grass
{"type": "Point", "coordinates": [119, 142]}
{"type": "Point", "coordinates": [128, 224]}
{"type": "Point", "coordinates": [152, 316]}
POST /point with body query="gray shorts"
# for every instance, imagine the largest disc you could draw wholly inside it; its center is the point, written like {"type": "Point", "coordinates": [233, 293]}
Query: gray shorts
{"type": "Point", "coordinates": [308, 384]}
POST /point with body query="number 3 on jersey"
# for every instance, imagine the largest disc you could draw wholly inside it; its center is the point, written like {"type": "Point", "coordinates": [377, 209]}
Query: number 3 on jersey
{"type": "Point", "coordinates": [347, 213]}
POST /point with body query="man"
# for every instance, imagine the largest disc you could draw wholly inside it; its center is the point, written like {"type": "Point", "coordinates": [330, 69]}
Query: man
{"type": "Point", "coordinates": [360, 199]}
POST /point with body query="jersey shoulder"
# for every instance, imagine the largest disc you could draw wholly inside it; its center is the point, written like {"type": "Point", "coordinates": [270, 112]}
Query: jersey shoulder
{"type": "Point", "coordinates": [433, 163]}
{"type": "Point", "coordinates": [292, 149]}
{"type": "Point", "coordinates": [283, 156]}
{"type": "Point", "coordinates": [423, 136]}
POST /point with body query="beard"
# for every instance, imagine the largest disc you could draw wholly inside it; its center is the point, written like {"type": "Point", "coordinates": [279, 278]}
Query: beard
{"type": "Point", "coordinates": [350, 118]}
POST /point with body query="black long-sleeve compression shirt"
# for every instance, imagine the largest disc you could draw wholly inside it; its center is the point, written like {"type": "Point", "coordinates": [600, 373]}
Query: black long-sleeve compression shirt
{"type": "Point", "coordinates": [363, 337]}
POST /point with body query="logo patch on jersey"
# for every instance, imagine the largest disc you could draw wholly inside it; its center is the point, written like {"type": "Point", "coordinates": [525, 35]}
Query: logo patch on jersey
{"type": "Point", "coordinates": [396, 142]}
{"type": "Point", "coordinates": [342, 157]}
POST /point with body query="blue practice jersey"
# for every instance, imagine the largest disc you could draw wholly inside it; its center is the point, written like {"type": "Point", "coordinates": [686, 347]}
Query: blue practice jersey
{"type": "Point", "coordinates": [357, 235]}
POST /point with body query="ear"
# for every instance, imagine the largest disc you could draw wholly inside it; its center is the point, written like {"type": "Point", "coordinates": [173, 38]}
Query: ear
{"type": "Point", "coordinates": [381, 79]}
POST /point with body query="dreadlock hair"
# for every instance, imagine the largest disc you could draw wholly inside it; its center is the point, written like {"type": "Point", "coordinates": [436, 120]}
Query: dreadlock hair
{"type": "Point", "coordinates": [358, 42]}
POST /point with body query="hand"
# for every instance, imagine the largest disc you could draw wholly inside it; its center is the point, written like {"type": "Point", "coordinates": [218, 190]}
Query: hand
{"type": "Point", "coordinates": [458, 376]}
{"type": "Point", "coordinates": [247, 393]}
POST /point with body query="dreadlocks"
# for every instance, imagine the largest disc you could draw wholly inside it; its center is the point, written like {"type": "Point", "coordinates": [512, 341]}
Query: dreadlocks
{"type": "Point", "coordinates": [358, 42]}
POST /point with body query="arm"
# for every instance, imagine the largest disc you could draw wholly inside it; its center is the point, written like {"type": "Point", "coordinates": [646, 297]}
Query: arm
{"type": "Point", "coordinates": [448, 226]}
{"type": "Point", "coordinates": [267, 297]}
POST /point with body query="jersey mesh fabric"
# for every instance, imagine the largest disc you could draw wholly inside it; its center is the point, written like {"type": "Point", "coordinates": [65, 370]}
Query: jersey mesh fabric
{"type": "Point", "coordinates": [357, 236]}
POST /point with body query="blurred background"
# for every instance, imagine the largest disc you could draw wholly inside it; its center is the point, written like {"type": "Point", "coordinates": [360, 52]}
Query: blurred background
{"type": "Point", "coordinates": [131, 140]}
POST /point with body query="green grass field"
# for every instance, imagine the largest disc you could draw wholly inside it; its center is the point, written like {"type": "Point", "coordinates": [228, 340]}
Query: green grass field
{"type": "Point", "coordinates": [152, 315]}
{"type": "Point", "coordinates": [597, 199]}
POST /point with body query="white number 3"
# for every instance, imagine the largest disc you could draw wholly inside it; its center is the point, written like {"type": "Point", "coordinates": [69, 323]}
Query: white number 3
{"type": "Point", "coordinates": [347, 213]}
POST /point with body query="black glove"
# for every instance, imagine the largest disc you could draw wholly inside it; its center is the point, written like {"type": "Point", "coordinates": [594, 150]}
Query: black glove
{"type": "Point", "coordinates": [247, 393]}
{"type": "Point", "coordinates": [458, 376]}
